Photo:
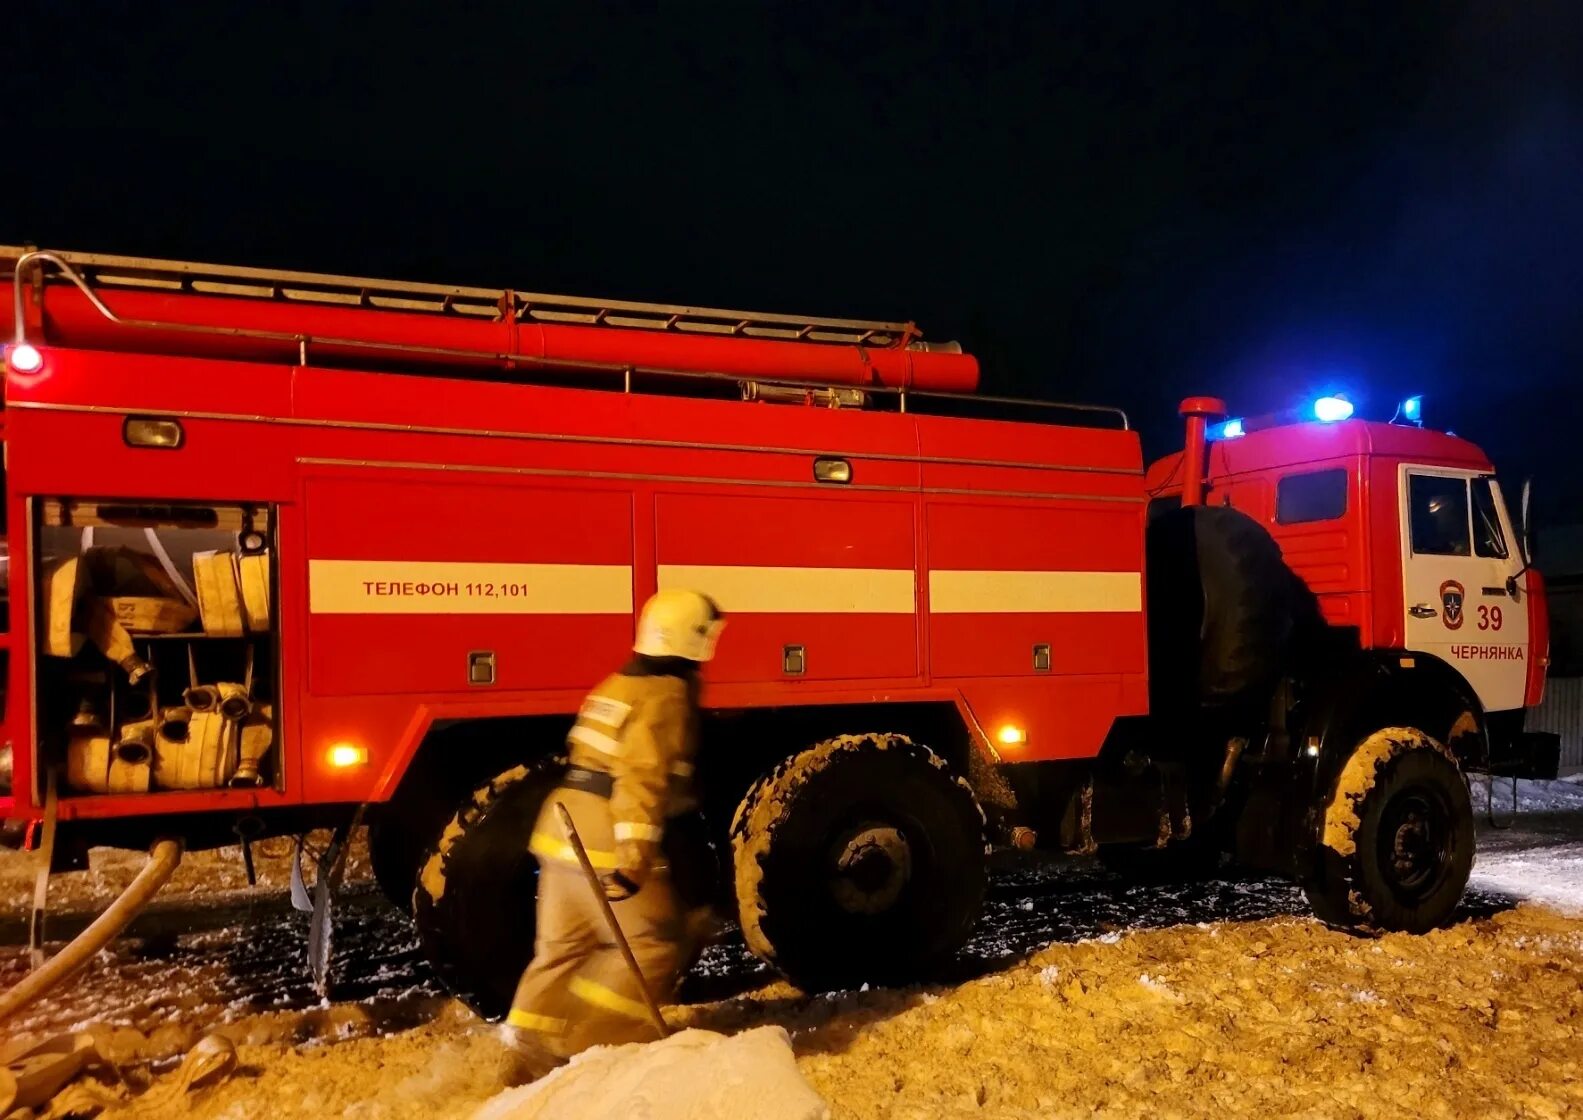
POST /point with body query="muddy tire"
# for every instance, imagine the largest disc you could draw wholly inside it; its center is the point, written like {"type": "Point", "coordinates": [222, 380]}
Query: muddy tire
{"type": "Point", "coordinates": [394, 849]}
{"type": "Point", "coordinates": [1397, 842]}
{"type": "Point", "coordinates": [859, 860]}
{"type": "Point", "coordinates": [476, 889]}
{"type": "Point", "coordinates": [1222, 608]}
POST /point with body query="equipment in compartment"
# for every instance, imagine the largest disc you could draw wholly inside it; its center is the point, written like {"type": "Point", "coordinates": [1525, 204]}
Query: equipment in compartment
{"type": "Point", "coordinates": [253, 575]}
{"type": "Point", "coordinates": [205, 758]}
{"type": "Point", "coordinates": [178, 707]}
{"type": "Point", "coordinates": [105, 596]}
{"type": "Point", "coordinates": [113, 640]}
{"type": "Point", "coordinates": [233, 592]}
{"type": "Point", "coordinates": [257, 737]}
{"type": "Point", "coordinates": [219, 593]}
{"type": "Point", "coordinates": [63, 581]}
{"type": "Point", "coordinates": [97, 764]}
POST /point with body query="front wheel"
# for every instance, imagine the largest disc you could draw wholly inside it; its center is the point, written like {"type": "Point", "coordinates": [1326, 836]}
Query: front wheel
{"type": "Point", "coordinates": [860, 859]}
{"type": "Point", "coordinates": [1397, 843]}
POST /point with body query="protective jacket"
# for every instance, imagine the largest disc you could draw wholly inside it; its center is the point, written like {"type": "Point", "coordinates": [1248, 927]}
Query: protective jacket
{"type": "Point", "coordinates": [638, 728]}
{"type": "Point", "coordinates": [631, 755]}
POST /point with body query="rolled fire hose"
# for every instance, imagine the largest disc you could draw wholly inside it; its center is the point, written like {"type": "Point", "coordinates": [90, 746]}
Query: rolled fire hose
{"type": "Point", "coordinates": [163, 858]}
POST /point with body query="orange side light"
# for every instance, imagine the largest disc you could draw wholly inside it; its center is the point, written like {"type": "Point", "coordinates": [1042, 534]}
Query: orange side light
{"type": "Point", "coordinates": [345, 755]}
{"type": "Point", "coordinates": [1012, 736]}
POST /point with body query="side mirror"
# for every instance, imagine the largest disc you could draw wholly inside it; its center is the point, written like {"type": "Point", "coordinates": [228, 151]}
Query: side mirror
{"type": "Point", "coordinates": [1526, 529]}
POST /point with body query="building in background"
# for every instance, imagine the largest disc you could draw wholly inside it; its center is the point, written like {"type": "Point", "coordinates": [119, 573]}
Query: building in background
{"type": "Point", "coordinates": [1560, 552]}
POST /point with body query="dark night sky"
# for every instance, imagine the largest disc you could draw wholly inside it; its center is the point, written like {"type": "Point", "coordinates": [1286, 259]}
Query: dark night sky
{"type": "Point", "coordinates": [1112, 202]}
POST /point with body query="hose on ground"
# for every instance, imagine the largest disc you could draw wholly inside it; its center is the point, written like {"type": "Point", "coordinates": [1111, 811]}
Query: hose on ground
{"type": "Point", "coordinates": [162, 860]}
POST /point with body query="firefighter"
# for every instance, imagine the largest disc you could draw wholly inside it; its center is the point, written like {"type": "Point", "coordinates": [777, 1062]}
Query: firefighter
{"type": "Point", "coordinates": [630, 777]}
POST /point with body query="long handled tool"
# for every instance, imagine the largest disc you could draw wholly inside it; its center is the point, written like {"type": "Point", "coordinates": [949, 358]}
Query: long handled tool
{"type": "Point", "coordinates": [610, 919]}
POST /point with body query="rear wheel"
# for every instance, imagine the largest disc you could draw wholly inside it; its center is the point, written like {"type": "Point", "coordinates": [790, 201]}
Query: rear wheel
{"type": "Point", "coordinates": [477, 887]}
{"type": "Point", "coordinates": [1397, 846]}
{"type": "Point", "coordinates": [860, 859]}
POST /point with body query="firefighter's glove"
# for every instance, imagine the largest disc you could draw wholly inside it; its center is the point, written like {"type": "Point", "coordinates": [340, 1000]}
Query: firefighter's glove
{"type": "Point", "coordinates": [635, 859]}
{"type": "Point", "coordinates": [618, 888]}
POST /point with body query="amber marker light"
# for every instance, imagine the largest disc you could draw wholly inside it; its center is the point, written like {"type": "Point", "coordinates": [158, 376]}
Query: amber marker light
{"type": "Point", "coordinates": [345, 755]}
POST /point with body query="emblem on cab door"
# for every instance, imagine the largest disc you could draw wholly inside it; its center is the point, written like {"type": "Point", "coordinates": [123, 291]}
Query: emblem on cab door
{"type": "Point", "coordinates": [1451, 596]}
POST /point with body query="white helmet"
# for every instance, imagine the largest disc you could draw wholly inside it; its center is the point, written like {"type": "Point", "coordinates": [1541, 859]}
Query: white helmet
{"type": "Point", "coordinates": [678, 623]}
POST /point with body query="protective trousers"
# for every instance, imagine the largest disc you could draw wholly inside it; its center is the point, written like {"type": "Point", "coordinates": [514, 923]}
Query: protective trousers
{"type": "Point", "coordinates": [578, 991]}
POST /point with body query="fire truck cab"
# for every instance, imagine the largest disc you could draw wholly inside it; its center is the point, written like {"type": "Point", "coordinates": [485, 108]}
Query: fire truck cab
{"type": "Point", "coordinates": [291, 551]}
{"type": "Point", "coordinates": [1404, 538]}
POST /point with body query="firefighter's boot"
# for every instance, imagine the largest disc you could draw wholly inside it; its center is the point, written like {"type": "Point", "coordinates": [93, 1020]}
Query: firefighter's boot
{"type": "Point", "coordinates": [524, 1057]}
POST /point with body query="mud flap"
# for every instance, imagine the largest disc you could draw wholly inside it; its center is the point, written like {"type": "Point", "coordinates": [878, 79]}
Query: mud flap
{"type": "Point", "coordinates": [320, 906]}
{"type": "Point", "coordinates": [1533, 754]}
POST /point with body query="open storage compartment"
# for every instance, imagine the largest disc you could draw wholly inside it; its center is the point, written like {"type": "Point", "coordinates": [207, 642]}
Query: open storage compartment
{"type": "Point", "coordinates": [157, 645]}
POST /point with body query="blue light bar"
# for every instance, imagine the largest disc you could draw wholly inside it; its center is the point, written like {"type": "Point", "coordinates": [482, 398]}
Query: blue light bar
{"type": "Point", "coordinates": [1328, 410]}
{"type": "Point", "coordinates": [1413, 410]}
{"type": "Point", "coordinates": [1226, 429]}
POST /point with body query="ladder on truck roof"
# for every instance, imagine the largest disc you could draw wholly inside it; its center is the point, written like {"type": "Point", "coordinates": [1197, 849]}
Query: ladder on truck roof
{"type": "Point", "coordinates": [99, 270]}
{"type": "Point", "coordinates": [90, 272]}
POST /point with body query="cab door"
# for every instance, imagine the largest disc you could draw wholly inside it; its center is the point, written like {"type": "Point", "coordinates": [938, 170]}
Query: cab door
{"type": "Point", "coordinates": [1459, 551]}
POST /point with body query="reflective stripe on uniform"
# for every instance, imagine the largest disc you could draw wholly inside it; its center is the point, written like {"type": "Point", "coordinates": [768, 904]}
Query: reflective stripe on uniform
{"type": "Point", "coordinates": [533, 1021]}
{"type": "Point", "coordinates": [607, 998]}
{"type": "Point", "coordinates": [637, 830]}
{"type": "Point", "coordinates": [595, 740]}
{"type": "Point", "coordinates": [605, 710]}
{"type": "Point", "coordinates": [550, 847]}
{"type": "Point", "coordinates": [682, 769]}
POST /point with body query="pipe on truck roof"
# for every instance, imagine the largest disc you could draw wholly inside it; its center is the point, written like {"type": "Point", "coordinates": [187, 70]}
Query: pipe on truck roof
{"type": "Point", "coordinates": [160, 320]}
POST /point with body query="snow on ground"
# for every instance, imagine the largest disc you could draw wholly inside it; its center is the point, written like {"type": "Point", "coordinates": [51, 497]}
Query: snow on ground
{"type": "Point", "coordinates": [1539, 875]}
{"type": "Point", "coordinates": [1537, 854]}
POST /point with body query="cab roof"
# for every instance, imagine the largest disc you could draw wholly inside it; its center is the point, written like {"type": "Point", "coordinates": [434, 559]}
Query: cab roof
{"type": "Point", "coordinates": [1289, 445]}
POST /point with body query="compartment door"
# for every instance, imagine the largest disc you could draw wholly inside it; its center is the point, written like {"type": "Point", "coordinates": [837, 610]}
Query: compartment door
{"type": "Point", "coordinates": [833, 576]}
{"type": "Point", "coordinates": [409, 579]}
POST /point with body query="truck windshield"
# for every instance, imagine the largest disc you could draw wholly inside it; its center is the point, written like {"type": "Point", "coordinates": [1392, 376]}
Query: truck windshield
{"type": "Point", "coordinates": [1488, 538]}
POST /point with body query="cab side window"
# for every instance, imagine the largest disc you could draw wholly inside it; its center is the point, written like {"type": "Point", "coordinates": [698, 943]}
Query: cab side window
{"type": "Point", "coordinates": [1439, 515]}
{"type": "Point", "coordinates": [1488, 539]}
{"type": "Point", "coordinates": [1314, 496]}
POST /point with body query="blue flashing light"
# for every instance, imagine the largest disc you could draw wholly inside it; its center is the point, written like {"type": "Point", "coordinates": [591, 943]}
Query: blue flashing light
{"type": "Point", "coordinates": [1226, 429]}
{"type": "Point", "coordinates": [1413, 410]}
{"type": "Point", "coordinates": [1328, 410]}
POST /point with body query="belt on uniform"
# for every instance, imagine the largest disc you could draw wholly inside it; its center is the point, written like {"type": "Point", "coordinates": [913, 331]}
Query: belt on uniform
{"type": "Point", "coordinates": [596, 782]}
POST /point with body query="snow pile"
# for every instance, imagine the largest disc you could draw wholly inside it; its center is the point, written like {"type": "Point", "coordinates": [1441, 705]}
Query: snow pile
{"type": "Point", "coordinates": [694, 1075]}
{"type": "Point", "coordinates": [1533, 796]}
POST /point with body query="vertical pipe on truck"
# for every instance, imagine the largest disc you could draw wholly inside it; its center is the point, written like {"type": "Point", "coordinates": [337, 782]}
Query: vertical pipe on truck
{"type": "Point", "coordinates": [1197, 411]}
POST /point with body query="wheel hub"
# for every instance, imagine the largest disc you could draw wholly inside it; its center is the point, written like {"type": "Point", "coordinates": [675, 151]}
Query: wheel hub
{"type": "Point", "coordinates": [1415, 835]}
{"type": "Point", "coordinates": [872, 866]}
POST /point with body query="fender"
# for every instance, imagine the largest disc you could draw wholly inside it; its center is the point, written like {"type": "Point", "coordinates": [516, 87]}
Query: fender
{"type": "Point", "coordinates": [1375, 689]}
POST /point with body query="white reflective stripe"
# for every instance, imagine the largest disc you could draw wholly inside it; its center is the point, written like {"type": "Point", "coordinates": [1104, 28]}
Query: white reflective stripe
{"type": "Point", "coordinates": [637, 830]}
{"type": "Point", "coordinates": [466, 587]}
{"type": "Point", "coordinates": [749, 589]}
{"type": "Point", "coordinates": [986, 592]}
{"type": "Point", "coordinates": [606, 710]}
{"type": "Point", "coordinates": [595, 740]}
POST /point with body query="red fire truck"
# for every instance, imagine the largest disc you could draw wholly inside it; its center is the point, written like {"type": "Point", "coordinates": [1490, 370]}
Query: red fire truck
{"type": "Point", "coordinates": [295, 551]}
